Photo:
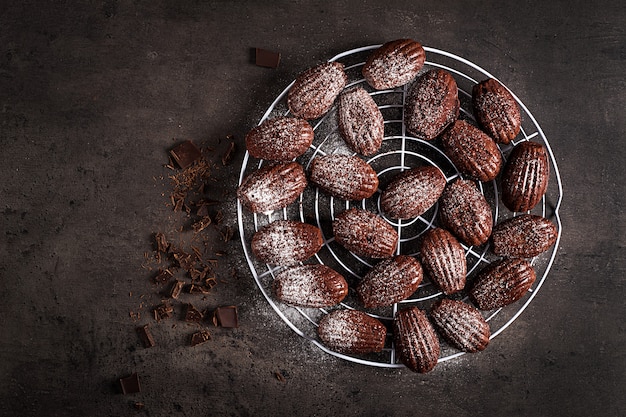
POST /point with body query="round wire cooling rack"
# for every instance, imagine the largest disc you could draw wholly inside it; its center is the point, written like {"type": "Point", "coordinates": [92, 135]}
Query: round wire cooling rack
{"type": "Point", "coordinates": [399, 151]}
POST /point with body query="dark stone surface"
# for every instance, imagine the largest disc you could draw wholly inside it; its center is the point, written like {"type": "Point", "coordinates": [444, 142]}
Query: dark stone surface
{"type": "Point", "coordinates": [93, 95]}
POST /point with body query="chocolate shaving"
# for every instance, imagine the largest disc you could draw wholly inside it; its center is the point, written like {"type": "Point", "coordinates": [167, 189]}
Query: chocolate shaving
{"type": "Point", "coordinates": [146, 336]}
{"type": "Point", "coordinates": [201, 224]}
{"type": "Point", "coordinates": [279, 376]}
{"type": "Point", "coordinates": [163, 311]}
{"type": "Point", "coordinates": [176, 289]}
{"type": "Point", "coordinates": [197, 289]}
{"type": "Point", "coordinates": [230, 152]}
{"type": "Point", "coordinates": [200, 337]}
{"type": "Point", "coordinates": [162, 276]}
{"type": "Point", "coordinates": [161, 242]}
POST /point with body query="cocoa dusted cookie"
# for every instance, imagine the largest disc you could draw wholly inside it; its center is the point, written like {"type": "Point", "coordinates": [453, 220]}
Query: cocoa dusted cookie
{"type": "Point", "coordinates": [280, 139]}
{"type": "Point", "coordinates": [461, 325]}
{"type": "Point", "coordinates": [496, 110]}
{"type": "Point", "coordinates": [344, 176]}
{"type": "Point", "coordinates": [411, 193]}
{"type": "Point", "coordinates": [432, 104]}
{"type": "Point", "coordinates": [365, 233]}
{"type": "Point", "coordinates": [524, 236]}
{"type": "Point", "coordinates": [525, 176]}
{"type": "Point", "coordinates": [286, 242]}
{"type": "Point", "coordinates": [352, 332]}
{"type": "Point", "coordinates": [443, 259]}
{"type": "Point", "coordinates": [314, 286]}
{"type": "Point", "coordinates": [465, 212]}
{"type": "Point", "coordinates": [416, 342]}
{"type": "Point", "coordinates": [394, 64]}
{"type": "Point", "coordinates": [472, 151]}
{"type": "Point", "coordinates": [272, 187]}
{"type": "Point", "coordinates": [361, 123]}
{"type": "Point", "coordinates": [314, 91]}
{"type": "Point", "coordinates": [390, 281]}
{"type": "Point", "coordinates": [502, 283]}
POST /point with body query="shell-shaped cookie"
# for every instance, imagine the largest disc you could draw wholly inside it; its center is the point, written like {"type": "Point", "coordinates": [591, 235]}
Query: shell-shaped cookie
{"type": "Point", "coordinates": [314, 91]}
{"type": "Point", "coordinates": [502, 283]}
{"type": "Point", "coordinates": [314, 286]}
{"type": "Point", "coordinates": [524, 236]}
{"type": "Point", "coordinates": [496, 110]}
{"type": "Point", "coordinates": [525, 176]}
{"type": "Point", "coordinates": [361, 123]}
{"type": "Point", "coordinates": [461, 325]}
{"type": "Point", "coordinates": [465, 212]}
{"type": "Point", "coordinates": [344, 176]}
{"type": "Point", "coordinates": [286, 242]}
{"type": "Point", "coordinates": [394, 64]}
{"type": "Point", "coordinates": [272, 187]}
{"type": "Point", "coordinates": [432, 104]}
{"type": "Point", "coordinates": [411, 193]}
{"type": "Point", "coordinates": [443, 259]}
{"type": "Point", "coordinates": [472, 151]}
{"type": "Point", "coordinates": [280, 139]}
{"type": "Point", "coordinates": [352, 332]}
{"type": "Point", "coordinates": [416, 343]}
{"type": "Point", "coordinates": [365, 233]}
{"type": "Point", "coordinates": [390, 281]}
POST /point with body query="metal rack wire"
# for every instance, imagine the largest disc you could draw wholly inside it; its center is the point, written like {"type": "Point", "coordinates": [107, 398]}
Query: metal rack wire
{"type": "Point", "coordinates": [400, 151]}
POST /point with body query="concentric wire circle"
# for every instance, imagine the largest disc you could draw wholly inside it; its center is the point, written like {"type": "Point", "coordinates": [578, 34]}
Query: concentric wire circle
{"type": "Point", "coordinates": [399, 151]}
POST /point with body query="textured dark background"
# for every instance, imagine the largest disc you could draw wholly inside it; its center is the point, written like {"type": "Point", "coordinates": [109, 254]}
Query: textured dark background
{"type": "Point", "coordinates": [94, 93]}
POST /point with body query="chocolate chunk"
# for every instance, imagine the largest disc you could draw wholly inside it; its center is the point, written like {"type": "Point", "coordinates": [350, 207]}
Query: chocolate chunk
{"type": "Point", "coordinates": [146, 336]}
{"type": "Point", "coordinates": [197, 289]}
{"type": "Point", "coordinates": [200, 337]}
{"type": "Point", "coordinates": [192, 314]}
{"type": "Point", "coordinates": [161, 242]}
{"type": "Point", "coordinates": [230, 152]}
{"type": "Point", "coordinates": [163, 311]}
{"type": "Point", "coordinates": [201, 224]}
{"type": "Point", "coordinates": [162, 276]}
{"type": "Point", "coordinates": [176, 289]}
{"type": "Point", "coordinates": [226, 317]}
{"type": "Point", "coordinates": [185, 154]}
{"type": "Point", "coordinates": [130, 384]}
{"type": "Point", "coordinates": [265, 58]}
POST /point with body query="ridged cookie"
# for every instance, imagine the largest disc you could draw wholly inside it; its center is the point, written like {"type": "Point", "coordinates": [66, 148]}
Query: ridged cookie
{"type": "Point", "coordinates": [524, 236]}
{"type": "Point", "coordinates": [411, 193]}
{"type": "Point", "coordinates": [416, 343]}
{"type": "Point", "coordinates": [496, 110]}
{"type": "Point", "coordinates": [465, 212]}
{"type": "Point", "coordinates": [394, 64]}
{"type": "Point", "coordinates": [314, 286]}
{"type": "Point", "coordinates": [361, 123]}
{"type": "Point", "coordinates": [390, 281]}
{"type": "Point", "coordinates": [314, 91]}
{"type": "Point", "coordinates": [365, 233]}
{"type": "Point", "coordinates": [280, 139]}
{"type": "Point", "coordinates": [525, 176]}
{"type": "Point", "coordinates": [344, 176]}
{"type": "Point", "coordinates": [272, 187]}
{"type": "Point", "coordinates": [432, 104]}
{"type": "Point", "coordinates": [472, 151]}
{"type": "Point", "coordinates": [286, 242]}
{"type": "Point", "coordinates": [461, 325]}
{"type": "Point", "coordinates": [502, 283]}
{"type": "Point", "coordinates": [352, 332]}
{"type": "Point", "coordinates": [443, 259]}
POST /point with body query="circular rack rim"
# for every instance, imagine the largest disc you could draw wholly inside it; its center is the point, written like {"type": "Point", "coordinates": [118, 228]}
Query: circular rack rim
{"type": "Point", "coordinates": [392, 361]}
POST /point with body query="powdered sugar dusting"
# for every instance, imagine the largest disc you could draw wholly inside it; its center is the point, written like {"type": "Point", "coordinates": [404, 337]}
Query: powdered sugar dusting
{"type": "Point", "coordinates": [280, 139]}
{"type": "Point", "coordinates": [352, 331]}
{"type": "Point", "coordinates": [272, 187]}
{"type": "Point", "coordinates": [310, 286]}
{"type": "Point", "coordinates": [413, 192]}
{"type": "Point", "coordinates": [286, 242]}
{"type": "Point", "coordinates": [390, 281]}
{"type": "Point", "coordinates": [360, 121]}
{"type": "Point", "coordinates": [393, 64]}
{"type": "Point", "coordinates": [344, 176]}
{"type": "Point", "coordinates": [315, 90]}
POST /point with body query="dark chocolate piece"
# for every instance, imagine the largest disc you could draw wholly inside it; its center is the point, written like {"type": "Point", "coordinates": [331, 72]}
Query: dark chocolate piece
{"type": "Point", "coordinates": [200, 337]}
{"type": "Point", "coordinates": [226, 317]}
{"type": "Point", "coordinates": [163, 276]}
{"type": "Point", "coordinates": [201, 224]}
{"type": "Point", "coordinates": [163, 311]}
{"type": "Point", "coordinates": [130, 384]}
{"type": "Point", "coordinates": [265, 58]}
{"type": "Point", "coordinates": [177, 287]}
{"type": "Point", "coordinates": [161, 242]}
{"type": "Point", "coordinates": [192, 314]}
{"type": "Point", "coordinates": [146, 336]}
{"type": "Point", "coordinates": [185, 154]}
